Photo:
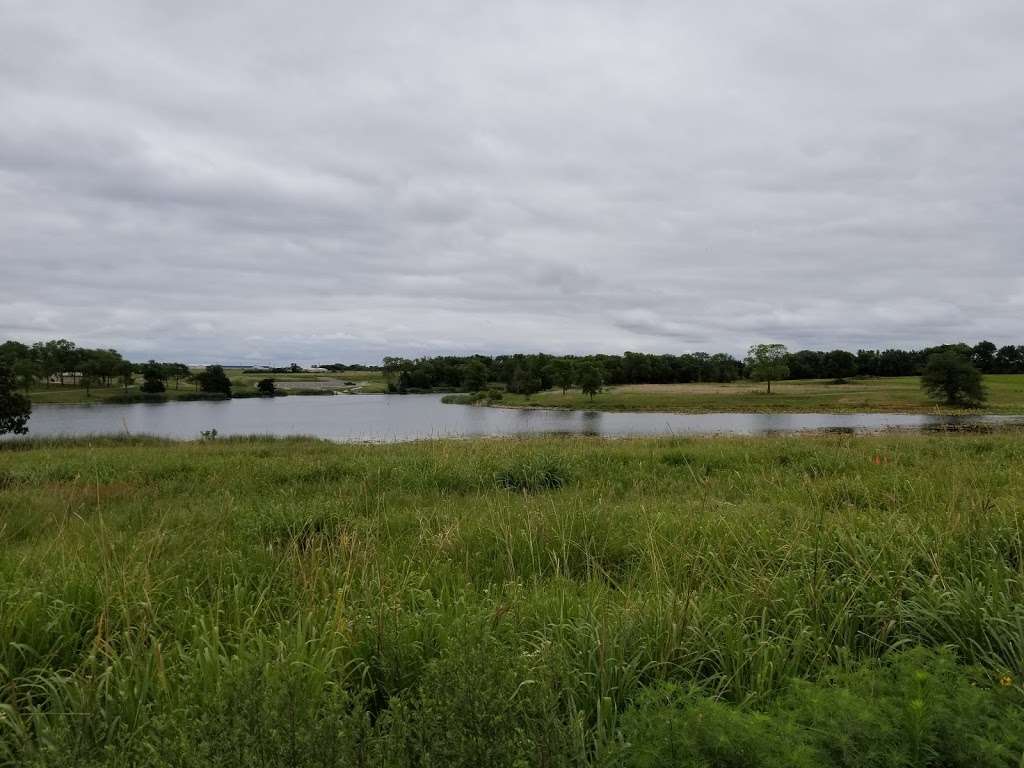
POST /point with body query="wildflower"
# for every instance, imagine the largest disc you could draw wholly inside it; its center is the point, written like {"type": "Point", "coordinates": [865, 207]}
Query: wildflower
{"type": "Point", "coordinates": [1006, 681]}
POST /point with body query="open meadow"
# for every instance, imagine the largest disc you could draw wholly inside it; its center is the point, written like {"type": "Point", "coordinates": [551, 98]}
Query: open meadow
{"type": "Point", "coordinates": [882, 395]}
{"type": "Point", "coordinates": [827, 600]}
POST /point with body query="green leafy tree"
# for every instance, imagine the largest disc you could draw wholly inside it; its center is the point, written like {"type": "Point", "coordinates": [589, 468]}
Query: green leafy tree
{"type": "Point", "coordinates": [15, 408]}
{"type": "Point", "coordinates": [563, 374]}
{"type": "Point", "coordinates": [524, 382]}
{"type": "Point", "coordinates": [590, 380]}
{"type": "Point", "coordinates": [266, 387]}
{"type": "Point", "coordinates": [393, 368]}
{"type": "Point", "coordinates": [474, 376]}
{"type": "Point", "coordinates": [13, 351]}
{"type": "Point", "coordinates": [91, 375]}
{"type": "Point", "coordinates": [213, 379]}
{"type": "Point", "coordinates": [154, 378]}
{"type": "Point", "coordinates": [983, 355]}
{"type": "Point", "coordinates": [950, 378]}
{"type": "Point", "coordinates": [25, 370]}
{"type": "Point", "coordinates": [839, 364]}
{"type": "Point", "coordinates": [767, 362]}
{"type": "Point", "coordinates": [177, 371]}
{"type": "Point", "coordinates": [62, 356]}
{"type": "Point", "coordinates": [125, 374]}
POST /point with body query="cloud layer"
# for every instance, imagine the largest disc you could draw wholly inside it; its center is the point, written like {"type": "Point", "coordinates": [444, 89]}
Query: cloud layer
{"type": "Point", "coordinates": [267, 182]}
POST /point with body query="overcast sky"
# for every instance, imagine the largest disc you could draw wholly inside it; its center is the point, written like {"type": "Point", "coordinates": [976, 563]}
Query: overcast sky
{"type": "Point", "coordinates": [248, 181]}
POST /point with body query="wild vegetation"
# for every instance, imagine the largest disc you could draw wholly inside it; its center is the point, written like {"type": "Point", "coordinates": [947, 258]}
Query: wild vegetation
{"type": "Point", "coordinates": [792, 601]}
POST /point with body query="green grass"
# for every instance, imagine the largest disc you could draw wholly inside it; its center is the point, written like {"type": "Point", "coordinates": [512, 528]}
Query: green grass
{"type": "Point", "coordinates": [70, 392]}
{"type": "Point", "coordinates": [889, 395]}
{"type": "Point", "coordinates": [809, 601]}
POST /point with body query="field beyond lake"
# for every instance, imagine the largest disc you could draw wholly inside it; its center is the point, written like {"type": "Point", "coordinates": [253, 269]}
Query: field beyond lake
{"type": "Point", "coordinates": [897, 394]}
{"type": "Point", "coordinates": [827, 600]}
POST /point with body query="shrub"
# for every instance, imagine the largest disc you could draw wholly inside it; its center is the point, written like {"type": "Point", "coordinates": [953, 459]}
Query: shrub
{"type": "Point", "coordinates": [950, 378]}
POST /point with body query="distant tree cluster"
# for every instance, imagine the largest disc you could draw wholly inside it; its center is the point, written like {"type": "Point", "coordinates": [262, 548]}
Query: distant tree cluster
{"type": "Point", "coordinates": [526, 374]}
{"type": "Point", "coordinates": [838, 364]}
{"type": "Point", "coordinates": [60, 361]}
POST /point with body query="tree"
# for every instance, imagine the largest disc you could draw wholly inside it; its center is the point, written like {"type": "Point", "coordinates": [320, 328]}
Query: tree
{"type": "Point", "coordinates": [474, 376]}
{"type": "Point", "coordinates": [563, 374]}
{"type": "Point", "coordinates": [62, 356]}
{"type": "Point", "coordinates": [154, 378]}
{"type": "Point", "coordinates": [177, 371]}
{"type": "Point", "coordinates": [767, 362]}
{"type": "Point", "coordinates": [124, 374]}
{"type": "Point", "coordinates": [13, 351]}
{"type": "Point", "coordinates": [25, 370]}
{"type": "Point", "coordinates": [393, 369]}
{"type": "Point", "coordinates": [90, 371]}
{"type": "Point", "coordinates": [524, 382]}
{"type": "Point", "coordinates": [15, 408]}
{"type": "Point", "coordinates": [950, 378]}
{"type": "Point", "coordinates": [1010, 359]}
{"type": "Point", "coordinates": [266, 387]}
{"type": "Point", "coordinates": [590, 380]}
{"type": "Point", "coordinates": [213, 379]}
{"type": "Point", "coordinates": [839, 364]}
{"type": "Point", "coordinates": [983, 355]}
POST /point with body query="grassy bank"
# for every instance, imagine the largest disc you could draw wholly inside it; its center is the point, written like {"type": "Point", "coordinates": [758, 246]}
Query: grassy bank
{"type": "Point", "coordinates": [808, 601]}
{"type": "Point", "coordinates": [243, 384]}
{"type": "Point", "coordinates": [888, 395]}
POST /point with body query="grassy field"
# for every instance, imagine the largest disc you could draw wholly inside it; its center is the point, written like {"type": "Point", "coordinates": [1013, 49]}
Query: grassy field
{"type": "Point", "coordinates": [70, 392]}
{"type": "Point", "coordinates": [891, 395]}
{"type": "Point", "coordinates": [785, 601]}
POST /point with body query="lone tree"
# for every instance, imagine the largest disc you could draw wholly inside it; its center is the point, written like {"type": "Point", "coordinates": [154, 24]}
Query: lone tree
{"type": "Point", "coordinates": [589, 379]}
{"type": "Point", "coordinates": [950, 378]}
{"type": "Point", "coordinates": [266, 387]}
{"type": "Point", "coordinates": [15, 408]}
{"type": "Point", "coordinates": [767, 362]}
{"type": "Point", "coordinates": [213, 379]}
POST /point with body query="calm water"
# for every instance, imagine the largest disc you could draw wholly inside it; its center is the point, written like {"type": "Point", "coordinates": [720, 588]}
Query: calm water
{"type": "Point", "coordinates": [408, 417]}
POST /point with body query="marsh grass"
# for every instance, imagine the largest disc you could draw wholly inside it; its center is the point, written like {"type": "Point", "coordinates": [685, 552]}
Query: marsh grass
{"type": "Point", "coordinates": [769, 601]}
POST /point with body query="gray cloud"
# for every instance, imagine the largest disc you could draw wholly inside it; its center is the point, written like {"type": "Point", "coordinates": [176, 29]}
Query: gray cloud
{"type": "Point", "coordinates": [248, 182]}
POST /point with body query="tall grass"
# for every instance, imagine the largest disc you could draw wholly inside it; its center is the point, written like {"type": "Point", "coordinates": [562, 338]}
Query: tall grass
{"type": "Point", "coordinates": [769, 601]}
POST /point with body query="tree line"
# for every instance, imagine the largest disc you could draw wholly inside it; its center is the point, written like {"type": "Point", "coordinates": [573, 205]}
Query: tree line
{"type": "Point", "coordinates": [60, 361]}
{"type": "Point", "coordinates": [528, 373]}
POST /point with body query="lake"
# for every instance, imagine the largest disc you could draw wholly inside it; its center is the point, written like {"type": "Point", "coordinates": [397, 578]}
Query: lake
{"type": "Point", "coordinates": [409, 417]}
